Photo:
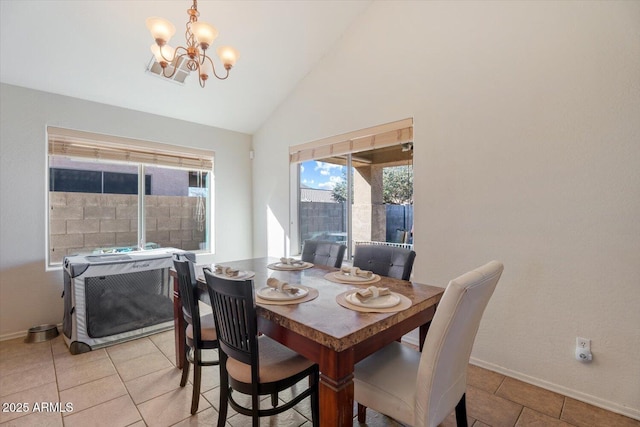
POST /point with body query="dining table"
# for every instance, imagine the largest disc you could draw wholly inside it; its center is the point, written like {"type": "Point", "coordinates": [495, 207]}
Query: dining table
{"type": "Point", "coordinates": [326, 330]}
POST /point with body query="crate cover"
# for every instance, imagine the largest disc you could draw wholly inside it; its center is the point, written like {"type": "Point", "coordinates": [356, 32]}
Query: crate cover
{"type": "Point", "coordinates": [110, 298]}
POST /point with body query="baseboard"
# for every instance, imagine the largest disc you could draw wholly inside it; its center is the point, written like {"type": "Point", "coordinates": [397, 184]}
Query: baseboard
{"type": "Point", "coordinates": [410, 339]}
{"type": "Point", "coordinates": [583, 397]}
{"type": "Point", "coordinates": [21, 334]}
{"type": "Point", "coordinates": [13, 335]}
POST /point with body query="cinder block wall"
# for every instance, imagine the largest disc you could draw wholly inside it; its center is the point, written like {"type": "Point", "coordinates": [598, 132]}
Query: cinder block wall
{"type": "Point", "coordinates": [82, 222]}
{"type": "Point", "coordinates": [317, 217]}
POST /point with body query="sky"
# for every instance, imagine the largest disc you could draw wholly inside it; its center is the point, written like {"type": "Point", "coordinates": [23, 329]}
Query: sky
{"type": "Point", "coordinates": [320, 175]}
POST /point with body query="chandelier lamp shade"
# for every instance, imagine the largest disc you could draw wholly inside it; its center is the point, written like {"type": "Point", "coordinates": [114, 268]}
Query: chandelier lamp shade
{"type": "Point", "coordinates": [199, 36]}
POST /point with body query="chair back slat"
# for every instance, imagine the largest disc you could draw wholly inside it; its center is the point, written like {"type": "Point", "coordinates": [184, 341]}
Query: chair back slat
{"type": "Point", "coordinates": [187, 287]}
{"type": "Point", "coordinates": [235, 316]}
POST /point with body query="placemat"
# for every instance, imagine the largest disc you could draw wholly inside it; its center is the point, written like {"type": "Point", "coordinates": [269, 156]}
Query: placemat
{"type": "Point", "coordinates": [313, 294]}
{"type": "Point", "coordinates": [402, 305]}
{"type": "Point", "coordinates": [286, 267]}
{"type": "Point", "coordinates": [334, 276]}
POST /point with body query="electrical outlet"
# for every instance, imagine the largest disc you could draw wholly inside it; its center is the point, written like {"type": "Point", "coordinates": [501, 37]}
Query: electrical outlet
{"type": "Point", "coordinates": [583, 343]}
{"type": "Point", "coordinates": [583, 350]}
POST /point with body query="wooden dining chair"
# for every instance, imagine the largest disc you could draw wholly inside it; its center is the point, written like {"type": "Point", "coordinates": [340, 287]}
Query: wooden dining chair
{"type": "Point", "coordinates": [200, 331]}
{"type": "Point", "coordinates": [322, 252]}
{"type": "Point", "coordinates": [385, 260]}
{"type": "Point", "coordinates": [422, 389]}
{"type": "Point", "coordinates": [252, 365]}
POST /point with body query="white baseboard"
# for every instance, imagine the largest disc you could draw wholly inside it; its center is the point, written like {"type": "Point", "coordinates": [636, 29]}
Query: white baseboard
{"type": "Point", "coordinates": [13, 335]}
{"type": "Point", "coordinates": [410, 339]}
{"type": "Point", "coordinates": [583, 397]}
{"type": "Point", "coordinates": [574, 394]}
{"type": "Point", "coordinates": [21, 334]}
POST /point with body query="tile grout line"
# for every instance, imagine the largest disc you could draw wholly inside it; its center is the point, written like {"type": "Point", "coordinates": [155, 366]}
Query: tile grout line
{"type": "Point", "coordinates": [124, 384]}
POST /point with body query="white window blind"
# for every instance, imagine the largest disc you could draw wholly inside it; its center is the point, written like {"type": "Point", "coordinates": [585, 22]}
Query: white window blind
{"type": "Point", "coordinates": [87, 145]}
{"type": "Point", "coordinates": [386, 135]}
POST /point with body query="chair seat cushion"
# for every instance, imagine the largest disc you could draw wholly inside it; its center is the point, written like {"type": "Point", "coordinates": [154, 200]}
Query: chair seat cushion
{"type": "Point", "coordinates": [276, 363]}
{"type": "Point", "coordinates": [207, 328]}
{"type": "Point", "coordinates": [386, 381]}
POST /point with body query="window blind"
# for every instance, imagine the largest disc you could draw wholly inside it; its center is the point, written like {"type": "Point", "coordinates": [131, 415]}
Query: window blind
{"type": "Point", "coordinates": [87, 145]}
{"type": "Point", "coordinates": [386, 135]}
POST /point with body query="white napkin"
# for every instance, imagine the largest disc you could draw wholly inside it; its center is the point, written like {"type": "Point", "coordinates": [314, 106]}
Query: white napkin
{"type": "Point", "coordinates": [227, 271]}
{"type": "Point", "coordinates": [355, 271]}
{"type": "Point", "coordinates": [371, 292]}
{"type": "Point", "coordinates": [281, 286]}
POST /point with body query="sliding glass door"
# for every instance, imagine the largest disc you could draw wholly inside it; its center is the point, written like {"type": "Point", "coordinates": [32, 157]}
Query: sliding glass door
{"type": "Point", "coordinates": [356, 198]}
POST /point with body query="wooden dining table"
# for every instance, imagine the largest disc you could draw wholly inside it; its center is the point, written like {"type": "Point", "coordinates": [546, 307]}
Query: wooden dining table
{"type": "Point", "coordinates": [334, 337]}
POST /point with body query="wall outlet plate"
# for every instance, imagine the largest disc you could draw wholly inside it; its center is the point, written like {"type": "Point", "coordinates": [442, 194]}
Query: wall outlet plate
{"type": "Point", "coordinates": [583, 343]}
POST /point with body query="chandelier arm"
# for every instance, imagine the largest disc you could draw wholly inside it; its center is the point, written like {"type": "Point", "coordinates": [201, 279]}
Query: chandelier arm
{"type": "Point", "coordinates": [213, 69]}
{"type": "Point", "coordinates": [164, 57]}
{"type": "Point", "coordinates": [175, 67]}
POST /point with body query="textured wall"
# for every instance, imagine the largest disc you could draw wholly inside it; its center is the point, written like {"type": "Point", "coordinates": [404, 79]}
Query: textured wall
{"type": "Point", "coordinates": [526, 150]}
{"type": "Point", "coordinates": [29, 292]}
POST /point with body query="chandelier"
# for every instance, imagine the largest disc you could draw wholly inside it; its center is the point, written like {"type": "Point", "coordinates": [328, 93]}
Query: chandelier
{"type": "Point", "coordinates": [200, 35]}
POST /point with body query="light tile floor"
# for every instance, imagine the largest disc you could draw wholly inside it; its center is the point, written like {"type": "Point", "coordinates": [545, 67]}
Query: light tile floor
{"type": "Point", "coordinates": [136, 384]}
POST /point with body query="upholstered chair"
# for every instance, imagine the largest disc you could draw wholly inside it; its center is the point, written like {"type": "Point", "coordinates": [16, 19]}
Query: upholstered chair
{"type": "Point", "coordinates": [200, 333]}
{"type": "Point", "coordinates": [385, 260]}
{"type": "Point", "coordinates": [252, 365]}
{"type": "Point", "coordinates": [422, 389]}
{"type": "Point", "coordinates": [321, 252]}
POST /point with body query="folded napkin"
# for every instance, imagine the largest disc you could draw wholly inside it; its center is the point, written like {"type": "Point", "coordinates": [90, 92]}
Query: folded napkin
{"type": "Point", "coordinates": [227, 271]}
{"type": "Point", "coordinates": [355, 271]}
{"type": "Point", "coordinates": [371, 292]}
{"type": "Point", "coordinates": [272, 282]}
{"type": "Point", "coordinates": [290, 261]}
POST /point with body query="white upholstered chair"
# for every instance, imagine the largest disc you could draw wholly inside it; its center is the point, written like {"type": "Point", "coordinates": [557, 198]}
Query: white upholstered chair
{"type": "Point", "coordinates": [422, 389]}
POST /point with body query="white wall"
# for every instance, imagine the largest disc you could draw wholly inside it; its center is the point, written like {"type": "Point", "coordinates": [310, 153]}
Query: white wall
{"type": "Point", "coordinates": [28, 294]}
{"type": "Point", "coordinates": [527, 150]}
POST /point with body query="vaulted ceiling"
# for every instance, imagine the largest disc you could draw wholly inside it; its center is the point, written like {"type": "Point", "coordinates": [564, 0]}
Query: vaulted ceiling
{"type": "Point", "coordinates": [98, 50]}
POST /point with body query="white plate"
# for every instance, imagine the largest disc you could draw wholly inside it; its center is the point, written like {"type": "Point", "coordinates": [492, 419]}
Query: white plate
{"type": "Point", "coordinates": [297, 266]}
{"type": "Point", "coordinates": [349, 278]}
{"type": "Point", "coordinates": [242, 275]}
{"type": "Point", "coordinates": [385, 301]}
{"type": "Point", "coordinates": [273, 294]}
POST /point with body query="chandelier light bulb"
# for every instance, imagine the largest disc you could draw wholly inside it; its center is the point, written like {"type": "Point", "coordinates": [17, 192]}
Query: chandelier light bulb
{"type": "Point", "coordinates": [228, 56]}
{"type": "Point", "coordinates": [206, 69]}
{"type": "Point", "coordinates": [163, 54]}
{"type": "Point", "coordinates": [204, 33]}
{"type": "Point", "coordinates": [161, 29]}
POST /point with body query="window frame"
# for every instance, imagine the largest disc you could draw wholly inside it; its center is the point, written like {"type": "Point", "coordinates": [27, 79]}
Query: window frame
{"type": "Point", "coordinates": [118, 150]}
{"type": "Point", "coordinates": [347, 144]}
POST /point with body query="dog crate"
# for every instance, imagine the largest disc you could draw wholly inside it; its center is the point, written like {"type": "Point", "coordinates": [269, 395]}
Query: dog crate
{"type": "Point", "coordinates": [111, 298]}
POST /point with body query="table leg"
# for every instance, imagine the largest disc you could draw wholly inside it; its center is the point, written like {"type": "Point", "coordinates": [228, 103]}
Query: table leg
{"type": "Point", "coordinates": [178, 323]}
{"type": "Point", "coordinates": [336, 388]}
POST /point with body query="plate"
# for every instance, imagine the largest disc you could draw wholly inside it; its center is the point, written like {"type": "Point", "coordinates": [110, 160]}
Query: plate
{"type": "Point", "coordinates": [282, 266]}
{"type": "Point", "coordinates": [349, 278]}
{"type": "Point", "coordinates": [242, 275]}
{"type": "Point", "coordinates": [273, 294]}
{"type": "Point", "coordinates": [385, 301]}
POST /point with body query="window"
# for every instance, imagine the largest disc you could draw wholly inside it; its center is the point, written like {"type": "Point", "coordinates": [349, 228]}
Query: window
{"type": "Point", "coordinates": [358, 187]}
{"type": "Point", "coordinates": [109, 194]}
